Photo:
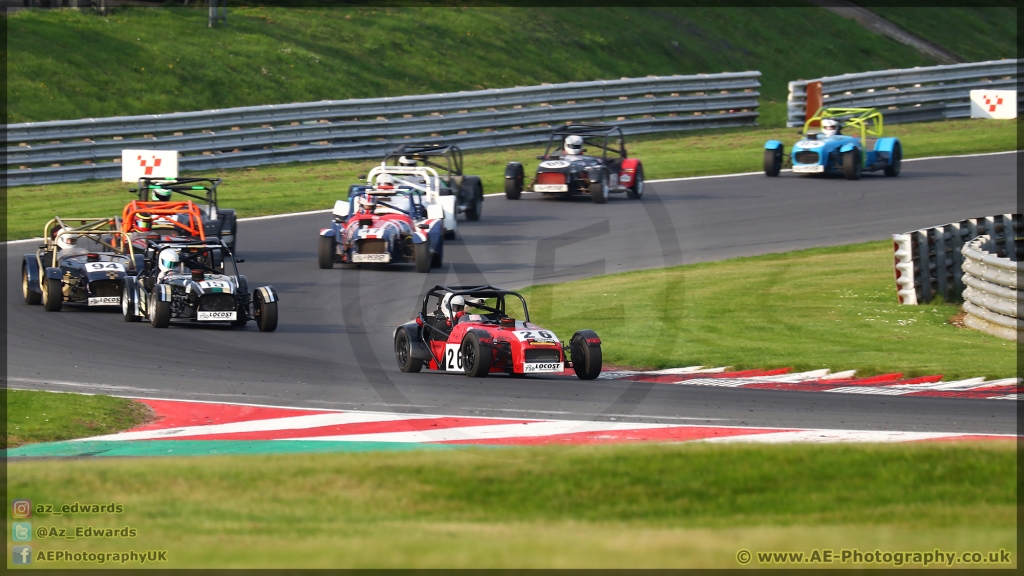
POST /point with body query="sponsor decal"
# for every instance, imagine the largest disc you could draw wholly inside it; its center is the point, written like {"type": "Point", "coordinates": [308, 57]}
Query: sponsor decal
{"type": "Point", "coordinates": [104, 267]}
{"type": "Point", "coordinates": [535, 335]}
{"type": "Point", "coordinates": [810, 144]}
{"type": "Point", "coordinates": [105, 301]}
{"type": "Point", "coordinates": [554, 164]}
{"type": "Point", "coordinates": [452, 357]}
{"type": "Point", "coordinates": [550, 187]}
{"type": "Point", "coordinates": [371, 257]}
{"type": "Point", "coordinates": [216, 316]}
{"type": "Point", "coordinates": [808, 168]}
{"type": "Point", "coordinates": [542, 367]}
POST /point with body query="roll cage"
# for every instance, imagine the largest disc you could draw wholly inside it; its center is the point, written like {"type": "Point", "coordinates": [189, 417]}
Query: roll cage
{"type": "Point", "coordinates": [99, 230]}
{"type": "Point", "coordinates": [162, 213]}
{"type": "Point", "coordinates": [194, 256]}
{"type": "Point", "coordinates": [596, 135]}
{"type": "Point", "coordinates": [189, 187]}
{"type": "Point", "coordinates": [868, 121]}
{"type": "Point", "coordinates": [476, 292]}
{"type": "Point", "coordinates": [415, 200]}
{"type": "Point", "coordinates": [430, 155]}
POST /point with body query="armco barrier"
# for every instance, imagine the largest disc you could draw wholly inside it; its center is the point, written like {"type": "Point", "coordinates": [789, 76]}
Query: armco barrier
{"type": "Point", "coordinates": [61, 151]}
{"type": "Point", "coordinates": [909, 94]}
{"type": "Point", "coordinates": [992, 297]}
{"type": "Point", "coordinates": [929, 262]}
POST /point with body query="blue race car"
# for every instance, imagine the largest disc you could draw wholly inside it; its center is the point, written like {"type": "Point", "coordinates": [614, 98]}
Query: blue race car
{"type": "Point", "coordinates": [832, 152]}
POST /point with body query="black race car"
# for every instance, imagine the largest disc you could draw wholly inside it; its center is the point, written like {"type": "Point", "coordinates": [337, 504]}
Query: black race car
{"type": "Point", "coordinates": [220, 223]}
{"type": "Point", "coordinates": [78, 263]}
{"type": "Point", "coordinates": [566, 169]}
{"type": "Point", "coordinates": [196, 282]}
{"type": "Point", "coordinates": [447, 161]}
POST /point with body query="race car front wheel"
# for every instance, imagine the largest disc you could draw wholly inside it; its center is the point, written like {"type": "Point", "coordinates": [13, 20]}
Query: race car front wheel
{"type": "Point", "coordinates": [421, 252]}
{"type": "Point", "coordinates": [325, 254]}
{"type": "Point", "coordinates": [266, 313]}
{"type": "Point", "coordinates": [26, 290]}
{"type": "Point", "coordinates": [772, 162]}
{"type": "Point", "coordinates": [159, 313]}
{"type": "Point", "coordinates": [585, 353]}
{"type": "Point", "coordinates": [852, 164]}
{"type": "Point", "coordinates": [636, 191]}
{"type": "Point", "coordinates": [599, 190]}
{"type": "Point", "coordinates": [128, 304]}
{"type": "Point", "coordinates": [895, 159]}
{"type": "Point", "coordinates": [476, 204]}
{"type": "Point", "coordinates": [53, 299]}
{"type": "Point", "coordinates": [403, 353]}
{"type": "Point", "coordinates": [476, 356]}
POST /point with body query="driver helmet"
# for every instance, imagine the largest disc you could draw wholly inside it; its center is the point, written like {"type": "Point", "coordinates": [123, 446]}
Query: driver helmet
{"type": "Point", "coordinates": [169, 259]}
{"type": "Point", "coordinates": [458, 304]}
{"type": "Point", "coordinates": [161, 195]}
{"type": "Point", "coordinates": [829, 127]}
{"type": "Point", "coordinates": [406, 162]}
{"type": "Point", "coordinates": [368, 203]}
{"type": "Point", "coordinates": [574, 144]}
{"type": "Point", "coordinates": [385, 181]}
{"type": "Point", "coordinates": [65, 241]}
{"type": "Point", "coordinates": [144, 222]}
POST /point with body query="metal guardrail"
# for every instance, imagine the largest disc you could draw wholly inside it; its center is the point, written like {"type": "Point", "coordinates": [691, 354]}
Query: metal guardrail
{"type": "Point", "coordinates": [929, 263]}
{"type": "Point", "coordinates": [992, 298]}
{"type": "Point", "coordinates": [62, 151]}
{"type": "Point", "coordinates": [908, 94]}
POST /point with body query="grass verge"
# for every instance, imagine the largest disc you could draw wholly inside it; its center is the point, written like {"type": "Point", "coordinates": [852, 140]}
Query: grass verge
{"type": "Point", "coordinates": [612, 506]}
{"type": "Point", "coordinates": [49, 417]}
{"type": "Point", "coordinates": [298, 187]}
{"type": "Point", "coordinates": [822, 308]}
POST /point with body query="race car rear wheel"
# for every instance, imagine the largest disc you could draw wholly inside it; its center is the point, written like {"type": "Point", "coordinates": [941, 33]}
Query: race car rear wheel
{"type": "Point", "coordinates": [403, 353]}
{"type": "Point", "coordinates": [159, 312]}
{"type": "Point", "coordinates": [852, 165]}
{"type": "Point", "coordinates": [476, 205]}
{"type": "Point", "coordinates": [476, 356]}
{"type": "Point", "coordinates": [325, 254]}
{"type": "Point", "coordinates": [421, 252]}
{"type": "Point", "coordinates": [772, 162]}
{"type": "Point", "coordinates": [31, 297]}
{"type": "Point", "coordinates": [585, 353]}
{"type": "Point", "coordinates": [265, 312]}
{"type": "Point", "coordinates": [52, 297]}
{"type": "Point", "coordinates": [438, 260]}
{"type": "Point", "coordinates": [514, 182]}
{"type": "Point", "coordinates": [636, 191]}
{"type": "Point", "coordinates": [895, 159]}
{"type": "Point", "coordinates": [128, 304]}
{"type": "Point", "coordinates": [599, 190]}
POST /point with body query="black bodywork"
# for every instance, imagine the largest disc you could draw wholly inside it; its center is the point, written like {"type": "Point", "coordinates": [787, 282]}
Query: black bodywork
{"type": "Point", "coordinates": [220, 223]}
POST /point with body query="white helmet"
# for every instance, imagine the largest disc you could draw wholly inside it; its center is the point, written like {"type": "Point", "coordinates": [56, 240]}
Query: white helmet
{"type": "Point", "coordinates": [458, 304]}
{"type": "Point", "coordinates": [169, 259]}
{"type": "Point", "coordinates": [449, 304]}
{"type": "Point", "coordinates": [384, 180]}
{"type": "Point", "coordinates": [65, 241]}
{"type": "Point", "coordinates": [406, 162]}
{"type": "Point", "coordinates": [574, 144]}
{"type": "Point", "coordinates": [829, 127]}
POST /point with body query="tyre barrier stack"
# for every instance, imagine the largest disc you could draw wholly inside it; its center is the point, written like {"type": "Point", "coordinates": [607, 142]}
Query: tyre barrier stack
{"type": "Point", "coordinates": [929, 263]}
{"type": "Point", "coordinates": [992, 296]}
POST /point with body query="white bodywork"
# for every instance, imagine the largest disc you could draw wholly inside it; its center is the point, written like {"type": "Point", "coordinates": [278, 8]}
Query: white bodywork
{"type": "Point", "coordinates": [424, 179]}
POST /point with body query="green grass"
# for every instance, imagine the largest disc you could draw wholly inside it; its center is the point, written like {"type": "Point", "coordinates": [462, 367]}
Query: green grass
{"type": "Point", "coordinates": [167, 60]}
{"type": "Point", "coordinates": [49, 417]}
{"type": "Point", "coordinates": [610, 506]}
{"type": "Point", "coordinates": [314, 186]}
{"type": "Point", "coordinates": [973, 33]}
{"type": "Point", "coordinates": [822, 308]}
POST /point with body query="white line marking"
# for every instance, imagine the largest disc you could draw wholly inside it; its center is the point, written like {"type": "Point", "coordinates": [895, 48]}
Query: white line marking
{"type": "Point", "coordinates": [830, 436]}
{"type": "Point", "coordinates": [528, 430]}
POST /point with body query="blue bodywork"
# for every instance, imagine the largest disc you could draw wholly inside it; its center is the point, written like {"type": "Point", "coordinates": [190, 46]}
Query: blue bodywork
{"type": "Point", "coordinates": [819, 154]}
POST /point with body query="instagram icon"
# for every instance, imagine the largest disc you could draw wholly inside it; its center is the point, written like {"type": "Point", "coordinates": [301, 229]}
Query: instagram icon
{"type": "Point", "coordinates": [21, 508]}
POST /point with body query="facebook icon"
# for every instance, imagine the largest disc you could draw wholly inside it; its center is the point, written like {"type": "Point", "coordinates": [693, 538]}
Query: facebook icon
{"type": "Point", "coordinates": [22, 554]}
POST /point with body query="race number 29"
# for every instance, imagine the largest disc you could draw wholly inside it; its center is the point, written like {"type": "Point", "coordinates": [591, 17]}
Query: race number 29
{"type": "Point", "coordinates": [452, 357]}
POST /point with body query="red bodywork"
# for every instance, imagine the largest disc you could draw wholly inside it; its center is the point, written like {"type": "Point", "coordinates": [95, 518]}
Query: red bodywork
{"type": "Point", "coordinates": [508, 351]}
{"type": "Point", "coordinates": [629, 166]}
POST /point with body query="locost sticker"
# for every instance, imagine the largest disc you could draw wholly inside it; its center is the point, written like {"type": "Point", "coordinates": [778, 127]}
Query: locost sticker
{"type": "Point", "coordinates": [216, 316]}
{"type": "Point", "coordinates": [534, 367]}
{"type": "Point", "coordinates": [371, 257]}
{"type": "Point", "coordinates": [550, 187]}
{"type": "Point", "coordinates": [105, 301]}
{"type": "Point", "coordinates": [808, 169]}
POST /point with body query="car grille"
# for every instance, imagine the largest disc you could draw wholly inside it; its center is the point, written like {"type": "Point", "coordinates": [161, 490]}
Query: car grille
{"type": "Point", "coordinates": [217, 303]}
{"type": "Point", "coordinates": [373, 246]}
{"type": "Point", "coordinates": [550, 178]}
{"type": "Point", "coordinates": [104, 288]}
{"type": "Point", "coordinates": [542, 355]}
{"type": "Point", "coordinates": [806, 157]}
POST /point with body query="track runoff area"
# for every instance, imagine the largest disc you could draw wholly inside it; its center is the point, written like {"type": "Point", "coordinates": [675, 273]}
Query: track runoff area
{"type": "Point", "coordinates": [326, 380]}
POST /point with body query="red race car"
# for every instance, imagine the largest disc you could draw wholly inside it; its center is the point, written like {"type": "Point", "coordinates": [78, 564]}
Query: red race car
{"type": "Point", "coordinates": [472, 330]}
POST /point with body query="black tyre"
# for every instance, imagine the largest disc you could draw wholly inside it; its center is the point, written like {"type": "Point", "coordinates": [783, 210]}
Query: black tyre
{"type": "Point", "coordinates": [53, 298]}
{"type": "Point", "coordinates": [585, 356]}
{"type": "Point", "coordinates": [438, 260]}
{"type": "Point", "coordinates": [599, 190]}
{"type": "Point", "coordinates": [449, 234]}
{"type": "Point", "coordinates": [159, 312]}
{"type": "Point", "coordinates": [852, 164]}
{"type": "Point", "coordinates": [403, 353]}
{"type": "Point", "coordinates": [128, 304]}
{"type": "Point", "coordinates": [476, 204]}
{"type": "Point", "coordinates": [895, 160]}
{"type": "Point", "coordinates": [514, 186]}
{"type": "Point", "coordinates": [636, 191]}
{"type": "Point", "coordinates": [265, 312]}
{"type": "Point", "coordinates": [476, 356]}
{"type": "Point", "coordinates": [31, 297]}
{"type": "Point", "coordinates": [421, 252]}
{"type": "Point", "coordinates": [325, 253]}
{"type": "Point", "coordinates": [772, 162]}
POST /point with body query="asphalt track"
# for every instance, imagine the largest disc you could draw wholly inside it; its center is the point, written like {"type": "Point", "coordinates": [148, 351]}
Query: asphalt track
{"type": "Point", "coordinates": [333, 347]}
